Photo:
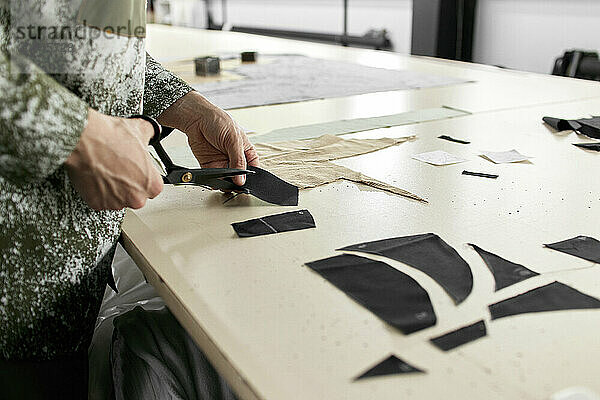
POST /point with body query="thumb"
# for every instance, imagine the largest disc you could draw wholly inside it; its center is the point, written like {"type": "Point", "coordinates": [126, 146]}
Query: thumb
{"type": "Point", "coordinates": [237, 160]}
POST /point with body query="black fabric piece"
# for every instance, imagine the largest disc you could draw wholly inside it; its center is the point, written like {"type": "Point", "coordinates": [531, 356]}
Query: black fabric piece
{"type": "Point", "coordinates": [429, 254]}
{"type": "Point", "coordinates": [390, 294]}
{"type": "Point", "coordinates": [555, 296]}
{"type": "Point", "coordinates": [460, 336]}
{"type": "Point", "coordinates": [153, 357]}
{"type": "Point", "coordinates": [286, 222]}
{"type": "Point", "coordinates": [588, 146]}
{"type": "Point", "coordinates": [584, 247]}
{"type": "Point", "coordinates": [587, 126]}
{"type": "Point", "coordinates": [451, 139]}
{"type": "Point", "coordinates": [506, 273]}
{"type": "Point", "coordinates": [390, 366]}
{"type": "Point", "coordinates": [562, 124]}
{"type": "Point", "coordinates": [63, 378]}
{"type": "Point", "coordinates": [269, 188]}
{"type": "Point", "coordinates": [480, 174]}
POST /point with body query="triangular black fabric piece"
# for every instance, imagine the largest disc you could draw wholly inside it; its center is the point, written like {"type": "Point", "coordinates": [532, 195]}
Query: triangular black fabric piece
{"type": "Point", "coordinates": [584, 247]}
{"type": "Point", "coordinates": [390, 366]}
{"type": "Point", "coordinates": [555, 296]}
{"type": "Point", "coordinates": [454, 339]}
{"type": "Point", "coordinates": [270, 188]}
{"type": "Point", "coordinates": [588, 146]}
{"type": "Point", "coordinates": [506, 273]}
{"type": "Point", "coordinates": [388, 293]}
{"type": "Point", "coordinates": [286, 222]}
{"type": "Point", "coordinates": [429, 254]}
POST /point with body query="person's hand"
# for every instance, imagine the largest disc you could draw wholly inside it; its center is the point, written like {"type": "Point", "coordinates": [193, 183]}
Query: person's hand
{"type": "Point", "coordinates": [214, 137]}
{"type": "Point", "coordinates": [110, 166]}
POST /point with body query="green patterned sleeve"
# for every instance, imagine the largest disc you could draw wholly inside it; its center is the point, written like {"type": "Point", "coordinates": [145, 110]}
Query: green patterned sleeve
{"type": "Point", "coordinates": [161, 88]}
{"type": "Point", "coordinates": [40, 121]}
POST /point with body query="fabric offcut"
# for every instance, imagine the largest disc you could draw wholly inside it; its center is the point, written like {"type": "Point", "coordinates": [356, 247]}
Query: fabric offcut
{"type": "Point", "coordinates": [589, 127]}
{"type": "Point", "coordinates": [555, 296]}
{"type": "Point", "coordinates": [392, 295]}
{"type": "Point", "coordinates": [588, 146]}
{"type": "Point", "coordinates": [584, 247]}
{"type": "Point", "coordinates": [390, 366]}
{"type": "Point", "coordinates": [506, 273]}
{"type": "Point", "coordinates": [153, 357]}
{"type": "Point", "coordinates": [480, 174]}
{"type": "Point", "coordinates": [307, 163]}
{"type": "Point", "coordinates": [451, 139]}
{"type": "Point", "coordinates": [429, 254]}
{"type": "Point", "coordinates": [292, 78]}
{"type": "Point", "coordinates": [292, 221]}
{"type": "Point", "coordinates": [270, 188]}
{"type": "Point", "coordinates": [459, 337]}
{"type": "Point", "coordinates": [356, 125]}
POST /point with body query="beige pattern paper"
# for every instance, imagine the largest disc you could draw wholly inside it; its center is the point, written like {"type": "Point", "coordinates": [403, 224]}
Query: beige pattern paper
{"type": "Point", "coordinates": [307, 163]}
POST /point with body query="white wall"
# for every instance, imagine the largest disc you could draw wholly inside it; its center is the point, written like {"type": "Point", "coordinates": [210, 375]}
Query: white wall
{"type": "Point", "coordinates": [529, 34]}
{"type": "Point", "coordinates": [325, 16]}
{"type": "Point", "coordinates": [520, 34]}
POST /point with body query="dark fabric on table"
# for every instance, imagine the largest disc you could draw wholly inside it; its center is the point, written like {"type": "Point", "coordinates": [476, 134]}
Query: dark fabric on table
{"type": "Point", "coordinates": [269, 188]}
{"type": "Point", "coordinates": [555, 296]}
{"type": "Point", "coordinates": [390, 366]}
{"type": "Point", "coordinates": [459, 337]}
{"type": "Point", "coordinates": [451, 139]}
{"type": "Point", "coordinates": [480, 174]}
{"type": "Point", "coordinates": [429, 254]}
{"type": "Point", "coordinates": [286, 222]}
{"type": "Point", "coordinates": [390, 294]}
{"type": "Point", "coordinates": [587, 126]}
{"type": "Point", "coordinates": [506, 273]}
{"type": "Point", "coordinates": [154, 358]}
{"type": "Point", "coordinates": [588, 146]}
{"type": "Point", "coordinates": [584, 247]}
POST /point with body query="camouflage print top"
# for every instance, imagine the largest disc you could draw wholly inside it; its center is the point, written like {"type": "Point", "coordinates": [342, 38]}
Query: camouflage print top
{"type": "Point", "coordinates": [55, 251]}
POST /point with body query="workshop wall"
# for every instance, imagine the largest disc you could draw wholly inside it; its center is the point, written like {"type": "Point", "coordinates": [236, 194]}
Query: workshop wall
{"type": "Point", "coordinates": [521, 34]}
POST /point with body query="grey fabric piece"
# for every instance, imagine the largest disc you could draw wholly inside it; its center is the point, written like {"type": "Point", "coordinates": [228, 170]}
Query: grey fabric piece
{"type": "Point", "coordinates": [154, 358]}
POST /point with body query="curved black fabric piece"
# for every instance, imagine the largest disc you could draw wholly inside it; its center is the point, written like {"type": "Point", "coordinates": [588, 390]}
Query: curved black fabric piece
{"type": "Point", "coordinates": [454, 339]}
{"type": "Point", "coordinates": [286, 222]}
{"type": "Point", "coordinates": [429, 254]}
{"type": "Point", "coordinates": [269, 188]}
{"type": "Point", "coordinates": [555, 296]}
{"type": "Point", "coordinates": [388, 293]}
{"type": "Point", "coordinates": [390, 366]}
{"type": "Point", "coordinates": [506, 273]}
{"type": "Point", "coordinates": [588, 146]}
{"type": "Point", "coordinates": [584, 247]}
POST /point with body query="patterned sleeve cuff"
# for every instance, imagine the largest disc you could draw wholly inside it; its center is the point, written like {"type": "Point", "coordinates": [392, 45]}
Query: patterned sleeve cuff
{"type": "Point", "coordinates": [161, 89]}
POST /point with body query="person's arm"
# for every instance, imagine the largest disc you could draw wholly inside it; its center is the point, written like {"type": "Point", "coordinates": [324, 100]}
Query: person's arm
{"type": "Point", "coordinates": [43, 126]}
{"type": "Point", "coordinates": [214, 137]}
{"type": "Point", "coordinates": [40, 121]}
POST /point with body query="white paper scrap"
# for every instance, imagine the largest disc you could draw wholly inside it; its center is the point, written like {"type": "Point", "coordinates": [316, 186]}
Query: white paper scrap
{"type": "Point", "coordinates": [501, 157]}
{"type": "Point", "coordinates": [439, 157]}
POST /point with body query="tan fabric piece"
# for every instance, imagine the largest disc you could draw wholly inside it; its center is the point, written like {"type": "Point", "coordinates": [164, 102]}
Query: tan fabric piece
{"type": "Point", "coordinates": [307, 163]}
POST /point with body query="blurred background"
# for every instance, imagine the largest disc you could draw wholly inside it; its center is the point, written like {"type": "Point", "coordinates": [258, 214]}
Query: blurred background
{"type": "Point", "coordinates": [529, 35]}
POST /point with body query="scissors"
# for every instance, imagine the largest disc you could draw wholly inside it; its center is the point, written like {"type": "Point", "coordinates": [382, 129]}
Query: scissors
{"type": "Point", "coordinates": [212, 178]}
